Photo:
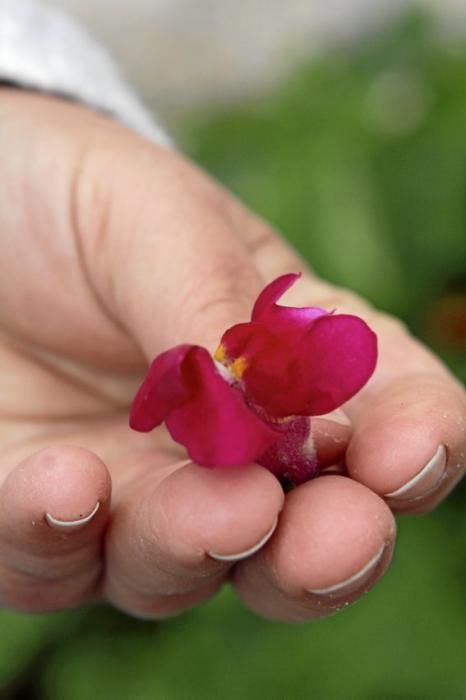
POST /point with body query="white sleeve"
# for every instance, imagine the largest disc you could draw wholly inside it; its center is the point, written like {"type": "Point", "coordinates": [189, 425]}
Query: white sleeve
{"type": "Point", "coordinates": [44, 50]}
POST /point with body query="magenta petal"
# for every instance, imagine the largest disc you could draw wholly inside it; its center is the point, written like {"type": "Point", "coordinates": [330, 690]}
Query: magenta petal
{"type": "Point", "coordinates": [336, 358]}
{"type": "Point", "coordinates": [288, 319]}
{"type": "Point", "coordinates": [162, 390]}
{"type": "Point", "coordinates": [272, 293]}
{"type": "Point", "coordinates": [311, 373]}
{"type": "Point", "coordinates": [215, 425]}
{"type": "Point", "coordinates": [249, 340]}
{"type": "Point", "coordinates": [272, 376]}
{"type": "Point", "coordinates": [283, 319]}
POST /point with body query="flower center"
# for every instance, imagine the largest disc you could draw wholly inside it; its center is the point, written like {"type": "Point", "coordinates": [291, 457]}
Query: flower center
{"type": "Point", "coordinates": [236, 367]}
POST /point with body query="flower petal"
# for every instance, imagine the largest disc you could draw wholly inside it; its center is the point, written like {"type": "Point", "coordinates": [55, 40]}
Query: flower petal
{"type": "Point", "coordinates": [338, 355]}
{"type": "Point", "coordinates": [162, 389]}
{"type": "Point", "coordinates": [272, 293]}
{"type": "Point", "coordinates": [271, 372]}
{"type": "Point", "coordinates": [247, 340]}
{"type": "Point", "coordinates": [308, 373]}
{"type": "Point", "coordinates": [283, 319]}
{"type": "Point", "coordinates": [215, 424]}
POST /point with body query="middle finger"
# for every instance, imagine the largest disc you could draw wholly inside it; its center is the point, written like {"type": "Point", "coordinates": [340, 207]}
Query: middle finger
{"type": "Point", "coordinates": [334, 541]}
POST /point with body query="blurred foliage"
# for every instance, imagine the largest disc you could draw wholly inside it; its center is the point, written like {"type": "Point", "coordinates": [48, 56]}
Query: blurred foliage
{"type": "Point", "coordinates": [360, 160]}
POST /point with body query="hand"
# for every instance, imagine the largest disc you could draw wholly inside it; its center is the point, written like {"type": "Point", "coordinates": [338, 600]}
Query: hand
{"type": "Point", "coordinates": [112, 251]}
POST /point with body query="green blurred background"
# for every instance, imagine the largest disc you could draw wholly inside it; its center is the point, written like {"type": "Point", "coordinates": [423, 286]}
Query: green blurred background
{"type": "Point", "coordinates": [360, 159]}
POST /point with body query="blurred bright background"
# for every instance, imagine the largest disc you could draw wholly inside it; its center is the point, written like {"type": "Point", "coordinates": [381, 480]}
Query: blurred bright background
{"type": "Point", "coordinates": [344, 123]}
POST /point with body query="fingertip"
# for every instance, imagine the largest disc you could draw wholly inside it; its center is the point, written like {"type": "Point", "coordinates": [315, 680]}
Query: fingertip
{"type": "Point", "coordinates": [385, 454]}
{"type": "Point", "coordinates": [349, 524]}
{"type": "Point", "coordinates": [225, 512]}
{"type": "Point", "coordinates": [410, 446]}
{"type": "Point", "coordinates": [334, 541]}
{"type": "Point", "coordinates": [53, 511]}
{"type": "Point", "coordinates": [61, 487]}
{"type": "Point", "coordinates": [173, 543]}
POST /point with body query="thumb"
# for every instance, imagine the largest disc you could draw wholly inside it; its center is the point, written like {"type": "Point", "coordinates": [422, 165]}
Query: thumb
{"type": "Point", "coordinates": [170, 261]}
{"type": "Point", "coordinates": [165, 256]}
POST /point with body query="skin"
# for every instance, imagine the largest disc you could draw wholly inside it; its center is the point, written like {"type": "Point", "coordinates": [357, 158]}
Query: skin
{"type": "Point", "coordinates": [113, 250]}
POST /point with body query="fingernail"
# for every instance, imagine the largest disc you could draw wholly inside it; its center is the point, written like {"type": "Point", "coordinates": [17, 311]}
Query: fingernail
{"type": "Point", "coordinates": [353, 583]}
{"type": "Point", "coordinates": [71, 524]}
{"type": "Point", "coordinates": [247, 552]}
{"type": "Point", "coordinates": [425, 481]}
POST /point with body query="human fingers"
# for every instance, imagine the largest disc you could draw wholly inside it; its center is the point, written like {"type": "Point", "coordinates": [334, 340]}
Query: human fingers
{"type": "Point", "coordinates": [173, 539]}
{"type": "Point", "coordinates": [160, 246]}
{"type": "Point", "coordinates": [409, 422]}
{"type": "Point", "coordinates": [410, 447]}
{"type": "Point", "coordinates": [53, 511]}
{"type": "Point", "coordinates": [171, 265]}
{"type": "Point", "coordinates": [333, 542]}
{"type": "Point", "coordinates": [136, 243]}
{"type": "Point", "coordinates": [165, 262]}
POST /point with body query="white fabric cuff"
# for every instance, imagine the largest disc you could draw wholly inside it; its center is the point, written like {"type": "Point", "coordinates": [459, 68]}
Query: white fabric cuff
{"type": "Point", "coordinates": [44, 50]}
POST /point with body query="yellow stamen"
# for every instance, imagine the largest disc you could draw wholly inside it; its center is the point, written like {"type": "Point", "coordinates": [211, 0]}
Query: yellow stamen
{"type": "Point", "coordinates": [220, 354]}
{"type": "Point", "coordinates": [238, 367]}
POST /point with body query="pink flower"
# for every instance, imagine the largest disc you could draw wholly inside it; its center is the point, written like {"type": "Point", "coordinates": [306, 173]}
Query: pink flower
{"type": "Point", "coordinates": [252, 401]}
